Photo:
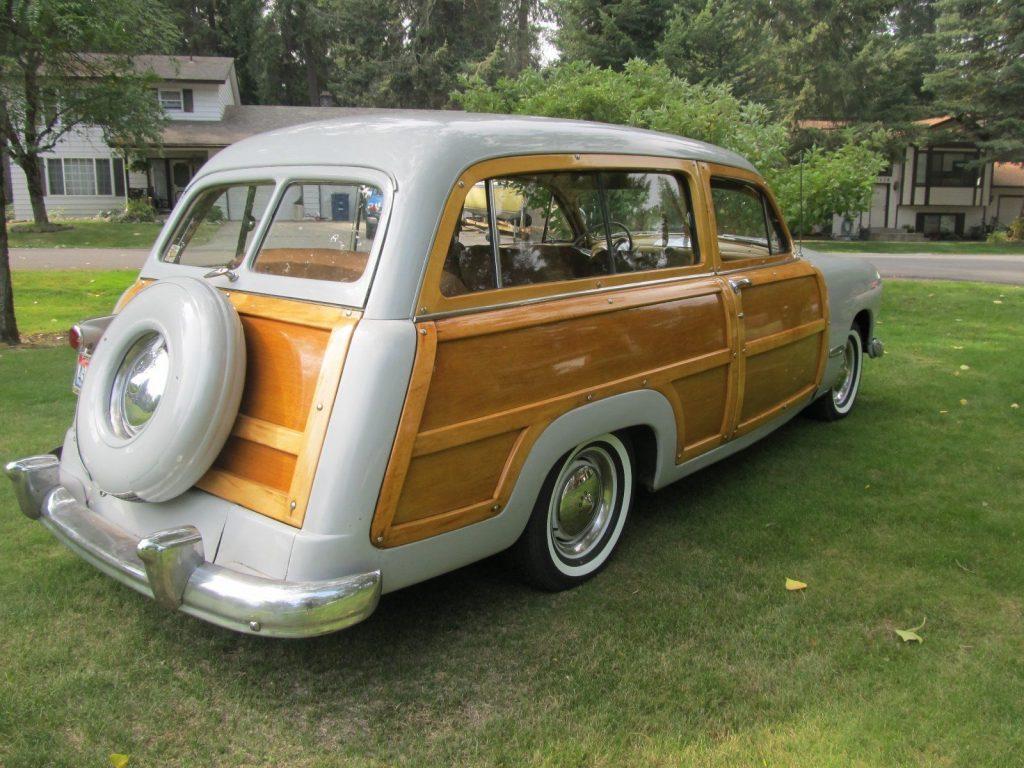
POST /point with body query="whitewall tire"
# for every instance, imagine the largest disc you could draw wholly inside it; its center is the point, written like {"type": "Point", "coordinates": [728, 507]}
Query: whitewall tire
{"type": "Point", "coordinates": [579, 515]}
{"type": "Point", "coordinates": [162, 391]}
{"type": "Point", "coordinates": [839, 401]}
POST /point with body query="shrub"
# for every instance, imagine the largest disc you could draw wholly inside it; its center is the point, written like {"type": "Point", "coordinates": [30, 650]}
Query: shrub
{"type": "Point", "coordinates": [137, 210]}
{"type": "Point", "coordinates": [1015, 231]}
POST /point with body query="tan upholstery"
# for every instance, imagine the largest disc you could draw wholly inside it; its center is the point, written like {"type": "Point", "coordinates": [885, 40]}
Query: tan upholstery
{"type": "Point", "coordinates": [312, 263]}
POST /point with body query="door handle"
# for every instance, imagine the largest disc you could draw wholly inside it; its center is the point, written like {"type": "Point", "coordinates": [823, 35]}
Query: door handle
{"type": "Point", "coordinates": [739, 283]}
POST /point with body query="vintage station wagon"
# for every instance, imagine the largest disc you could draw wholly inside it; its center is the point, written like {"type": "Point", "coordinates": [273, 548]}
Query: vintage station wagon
{"type": "Point", "coordinates": [369, 351]}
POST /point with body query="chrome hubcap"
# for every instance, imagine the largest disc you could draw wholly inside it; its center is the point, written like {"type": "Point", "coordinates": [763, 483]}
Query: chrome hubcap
{"type": "Point", "coordinates": [583, 502]}
{"type": "Point", "coordinates": [841, 393]}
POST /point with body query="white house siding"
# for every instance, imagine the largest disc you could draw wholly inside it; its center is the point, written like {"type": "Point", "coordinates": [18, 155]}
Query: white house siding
{"type": "Point", "coordinates": [207, 100]}
{"type": "Point", "coordinates": [85, 143]}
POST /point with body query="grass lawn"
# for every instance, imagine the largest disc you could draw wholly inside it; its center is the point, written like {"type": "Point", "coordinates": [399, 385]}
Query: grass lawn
{"type": "Point", "coordinates": [927, 246]}
{"type": "Point", "coordinates": [686, 651]}
{"type": "Point", "coordinates": [87, 233]}
{"type": "Point", "coordinates": [51, 301]}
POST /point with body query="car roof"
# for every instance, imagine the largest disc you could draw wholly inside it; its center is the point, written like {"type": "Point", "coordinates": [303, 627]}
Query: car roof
{"type": "Point", "coordinates": [406, 142]}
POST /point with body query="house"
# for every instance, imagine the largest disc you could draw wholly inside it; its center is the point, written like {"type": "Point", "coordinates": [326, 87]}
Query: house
{"type": "Point", "coordinates": [84, 176]}
{"type": "Point", "coordinates": [936, 189]}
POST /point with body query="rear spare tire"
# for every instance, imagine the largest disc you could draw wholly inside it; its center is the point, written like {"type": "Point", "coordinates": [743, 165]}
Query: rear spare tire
{"type": "Point", "coordinates": [162, 391]}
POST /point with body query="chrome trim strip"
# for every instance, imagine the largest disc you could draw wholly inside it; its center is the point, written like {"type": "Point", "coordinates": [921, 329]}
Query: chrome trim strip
{"type": "Point", "coordinates": [836, 351]}
{"type": "Point", "coordinates": [560, 296]}
{"type": "Point", "coordinates": [169, 566]}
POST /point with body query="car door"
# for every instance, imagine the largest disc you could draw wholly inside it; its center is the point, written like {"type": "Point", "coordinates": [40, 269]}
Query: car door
{"type": "Point", "coordinates": [779, 301]}
{"type": "Point", "coordinates": [554, 282]}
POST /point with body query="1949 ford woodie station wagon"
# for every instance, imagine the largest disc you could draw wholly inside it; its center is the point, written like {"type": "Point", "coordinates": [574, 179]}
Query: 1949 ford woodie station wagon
{"type": "Point", "coordinates": [369, 351]}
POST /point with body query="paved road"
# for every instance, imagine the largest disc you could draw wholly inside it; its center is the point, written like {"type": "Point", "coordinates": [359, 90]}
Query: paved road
{"type": "Point", "coordinates": [948, 266]}
{"type": "Point", "coordinates": [928, 266]}
{"type": "Point", "coordinates": [78, 258]}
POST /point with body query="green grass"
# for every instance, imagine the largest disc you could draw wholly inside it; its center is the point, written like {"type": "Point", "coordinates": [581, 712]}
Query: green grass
{"type": "Point", "coordinates": [926, 246]}
{"type": "Point", "coordinates": [50, 301]}
{"type": "Point", "coordinates": [686, 651]}
{"type": "Point", "coordinates": [86, 233]}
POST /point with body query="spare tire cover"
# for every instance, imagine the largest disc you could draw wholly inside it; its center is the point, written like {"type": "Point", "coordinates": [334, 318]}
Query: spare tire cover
{"type": "Point", "coordinates": [201, 372]}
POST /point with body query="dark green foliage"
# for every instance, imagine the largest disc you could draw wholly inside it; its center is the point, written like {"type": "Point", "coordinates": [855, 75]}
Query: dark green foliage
{"type": "Point", "coordinates": [980, 75]}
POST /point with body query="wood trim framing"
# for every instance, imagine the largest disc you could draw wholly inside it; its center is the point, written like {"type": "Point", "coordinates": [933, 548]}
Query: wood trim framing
{"type": "Point", "coordinates": [432, 302]}
{"type": "Point", "coordinates": [324, 375]}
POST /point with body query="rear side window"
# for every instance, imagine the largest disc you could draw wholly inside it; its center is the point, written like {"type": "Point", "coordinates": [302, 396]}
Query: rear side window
{"type": "Point", "coordinates": [550, 227]}
{"type": "Point", "coordinates": [322, 231]}
{"type": "Point", "coordinates": [747, 226]}
{"type": "Point", "coordinates": [217, 228]}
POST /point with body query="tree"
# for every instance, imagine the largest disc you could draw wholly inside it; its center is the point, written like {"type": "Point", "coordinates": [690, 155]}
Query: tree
{"type": "Point", "coordinates": [980, 75]}
{"type": "Point", "coordinates": [52, 82]}
{"type": "Point", "coordinates": [8, 322]}
{"type": "Point", "coordinates": [608, 34]}
{"type": "Point", "coordinates": [650, 96]}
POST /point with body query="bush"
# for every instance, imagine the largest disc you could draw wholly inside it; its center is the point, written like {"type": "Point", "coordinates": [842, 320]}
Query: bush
{"type": "Point", "coordinates": [215, 215]}
{"type": "Point", "coordinates": [137, 210]}
{"type": "Point", "coordinates": [1015, 232]}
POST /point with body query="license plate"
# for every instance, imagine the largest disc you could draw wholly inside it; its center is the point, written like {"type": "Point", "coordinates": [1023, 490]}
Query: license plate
{"type": "Point", "coordinates": [80, 370]}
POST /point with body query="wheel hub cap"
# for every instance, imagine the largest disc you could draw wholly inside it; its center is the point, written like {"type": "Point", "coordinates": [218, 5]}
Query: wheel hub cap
{"type": "Point", "coordinates": [583, 502]}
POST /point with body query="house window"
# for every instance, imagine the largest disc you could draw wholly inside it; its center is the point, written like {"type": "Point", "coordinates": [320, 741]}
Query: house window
{"type": "Point", "coordinates": [171, 100]}
{"type": "Point", "coordinates": [85, 176]}
{"type": "Point", "coordinates": [952, 169]}
{"type": "Point", "coordinates": [79, 177]}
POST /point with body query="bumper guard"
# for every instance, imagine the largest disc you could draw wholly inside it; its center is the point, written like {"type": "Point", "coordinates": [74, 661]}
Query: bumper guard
{"type": "Point", "coordinates": [170, 567]}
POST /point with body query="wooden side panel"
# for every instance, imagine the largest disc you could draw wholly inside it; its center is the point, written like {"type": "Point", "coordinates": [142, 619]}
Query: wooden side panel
{"type": "Point", "coordinates": [784, 340]}
{"type": "Point", "coordinates": [485, 386]}
{"type": "Point", "coordinates": [295, 351]}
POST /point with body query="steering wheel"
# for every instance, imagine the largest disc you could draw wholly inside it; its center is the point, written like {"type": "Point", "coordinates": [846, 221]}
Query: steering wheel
{"type": "Point", "coordinates": [621, 236]}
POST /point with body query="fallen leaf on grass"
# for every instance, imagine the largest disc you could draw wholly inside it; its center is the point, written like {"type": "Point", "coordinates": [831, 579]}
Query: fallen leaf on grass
{"type": "Point", "coordinates": [910, 635]}
{"type": "Point", "coordinates": [956, 347]}
{"type": "Point", "coordinates": [965, 367]}
{"type": "Point", "coordinates": [963, 401]}
{"type": "Point", "coordinates": [118, 760]}
{"type": "Point", "coordinates": [996, 301]}
{"type": "Point", "coordinates": [1015, 405]}
{"type": "Point", "coordinates": [943, 411]}
{"type": "Point", "coordinates": [793, 585]}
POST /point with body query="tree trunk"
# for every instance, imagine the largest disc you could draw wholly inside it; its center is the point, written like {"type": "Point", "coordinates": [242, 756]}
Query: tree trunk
{"type": "Point", "coordinates": [8, 323]}
{"type": "Point", "coordinates": [33, 175]}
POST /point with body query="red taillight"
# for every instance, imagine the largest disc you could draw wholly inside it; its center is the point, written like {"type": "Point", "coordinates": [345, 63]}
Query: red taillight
{"type": "Point", "coordinates": [75, 336]}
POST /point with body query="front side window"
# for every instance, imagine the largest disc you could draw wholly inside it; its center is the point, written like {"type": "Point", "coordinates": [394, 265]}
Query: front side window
{"type": "Point", "coordinates": [549, 227]}
{"type": "Point", "coordinates": [218, 226]}
{"type": "Point", "coordinates": [322, 231]}
{"type": "Point", "coordinates": [747, 226]}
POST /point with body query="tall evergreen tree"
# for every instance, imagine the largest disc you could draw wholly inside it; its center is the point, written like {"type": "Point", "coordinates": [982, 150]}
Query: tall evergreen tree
{"type": "Point", "coordinates": [980, 79]}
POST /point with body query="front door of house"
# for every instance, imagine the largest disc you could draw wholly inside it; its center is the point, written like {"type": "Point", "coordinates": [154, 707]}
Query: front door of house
{"type": "Point", "coordinates": [182, 172]}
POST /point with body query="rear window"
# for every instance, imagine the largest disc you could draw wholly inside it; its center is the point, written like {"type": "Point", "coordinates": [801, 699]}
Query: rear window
{"type": "Point", "coordinates": [217, 228]}
{"type": "Point", "coordinates": [322, 231]}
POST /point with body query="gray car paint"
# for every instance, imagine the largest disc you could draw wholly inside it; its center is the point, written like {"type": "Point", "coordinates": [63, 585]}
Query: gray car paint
{"type": "Point", "coordinates": [421, 156]}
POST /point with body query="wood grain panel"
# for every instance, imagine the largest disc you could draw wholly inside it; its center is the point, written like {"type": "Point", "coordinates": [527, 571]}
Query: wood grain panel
{"type": "Point", "coordinates": [487, 374]}
{"type": "Point", "coordinates": [258, 463]}
{"type": "Point", "coordinates": [776, 375]}
{"type": "Point", "coordinates": [457, 477]}
{"type": "Point", "coordinates": [773, 307]}
{"type": "Point", "coordinates": [283, 361]}
{"type": "Point", "coordinates": [703, 398]}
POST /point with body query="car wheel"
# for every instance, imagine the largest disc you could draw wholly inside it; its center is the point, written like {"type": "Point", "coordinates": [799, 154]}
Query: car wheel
{"type": "Point", "coordinates": [838, 402]}
{"type": "Point", "coordinates": [579, 515]}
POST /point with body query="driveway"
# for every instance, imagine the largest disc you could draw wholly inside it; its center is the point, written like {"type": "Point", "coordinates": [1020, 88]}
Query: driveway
{"type": "Point", "coordinates": [78, 258]}
{"type": "Point", "coordinates": [948, 266]}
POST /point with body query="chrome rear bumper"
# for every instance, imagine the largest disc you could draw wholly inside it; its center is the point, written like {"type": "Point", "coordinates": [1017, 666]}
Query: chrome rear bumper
{"type": "Point", "coordinates": [170, 567]}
